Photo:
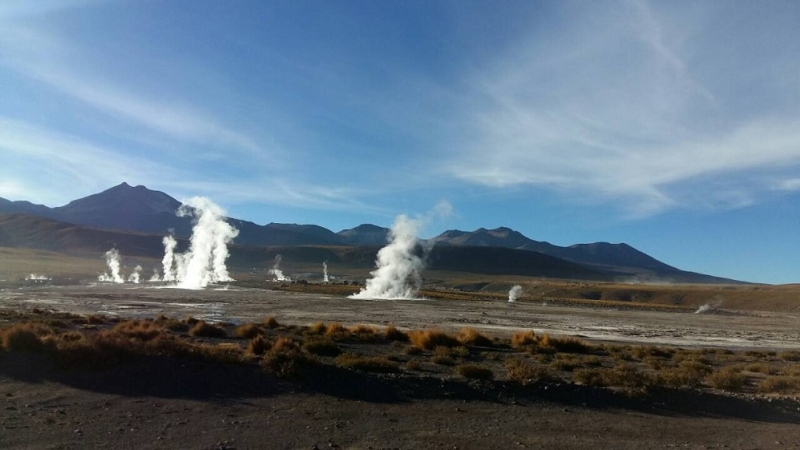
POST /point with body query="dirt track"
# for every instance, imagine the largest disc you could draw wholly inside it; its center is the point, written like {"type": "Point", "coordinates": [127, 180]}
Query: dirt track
{"type": "Point", "coordinates": [499, 318]}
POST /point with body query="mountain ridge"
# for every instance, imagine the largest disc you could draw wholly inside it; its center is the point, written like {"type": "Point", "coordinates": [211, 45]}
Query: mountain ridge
{"type": "Point", "coordinates": [138, 209]}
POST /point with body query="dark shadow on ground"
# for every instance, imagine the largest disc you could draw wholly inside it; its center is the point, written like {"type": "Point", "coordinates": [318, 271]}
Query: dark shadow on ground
{"type": "Point", "coordinates": [208, 381]}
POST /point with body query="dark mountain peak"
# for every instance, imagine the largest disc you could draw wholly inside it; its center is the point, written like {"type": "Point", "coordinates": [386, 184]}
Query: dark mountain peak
{"type": "Point", "coordinates": [122, 198]}
{"type": "Point", "coordinates": [365, 234]}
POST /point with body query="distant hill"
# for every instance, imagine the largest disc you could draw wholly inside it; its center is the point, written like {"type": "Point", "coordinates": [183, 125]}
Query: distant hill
{"type": "Point", "coordinates": [141, 210]}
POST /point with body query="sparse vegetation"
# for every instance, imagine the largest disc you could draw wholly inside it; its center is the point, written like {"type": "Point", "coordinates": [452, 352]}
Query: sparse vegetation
{"type": "Point", "coordinates": [270, 322]}
{"type": "Point", "coordinates": [366, 363]}
{"type": "Point", "coordinates": [727, 378]}
{"type": "Point", "coordinates": [430, 339]}
{"type": "Point", "coordinates": [525, 373]}
{"type": "Point", "coordinates": [322, 347]}
{"type": "Point", "coordinates": [523, 339]}
{"type": "Point", "coordinates": [393, 334]}
{"type": "Point", "coordinates": [247, 331]}
{"type": "Point", "coordinates": [205, 329]}
{"type": "Point", "coordinates": [471, 337]}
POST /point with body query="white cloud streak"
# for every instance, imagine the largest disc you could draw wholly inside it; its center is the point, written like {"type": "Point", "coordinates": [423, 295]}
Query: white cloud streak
{"type": "Point", "coordinates": [616, 115]}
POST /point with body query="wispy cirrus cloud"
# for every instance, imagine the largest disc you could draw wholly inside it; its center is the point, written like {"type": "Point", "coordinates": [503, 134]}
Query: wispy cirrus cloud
{"type": "Point", "coordinates": [39, 56]}
{"type": "Point", "coordinates": [620, 108]}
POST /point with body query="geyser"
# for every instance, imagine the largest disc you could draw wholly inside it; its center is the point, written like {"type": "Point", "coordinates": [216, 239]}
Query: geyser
{"type": "Point", "coordinates": [514, 293]}
{"type": "Point", "coordinates": [276, 270]}
{"type": "Point", "coordinates": [204, 262]}
{"type": "Point", "coordinates": [135, 275]}
{"type": "Point", "coordinates": [324, 271]}
{"type": "Point", "coordinates": [169, 258]}
{"type": "Point", "coordinates": [112, 261]}
{"type": "Point", "coordinates": [398, 268]}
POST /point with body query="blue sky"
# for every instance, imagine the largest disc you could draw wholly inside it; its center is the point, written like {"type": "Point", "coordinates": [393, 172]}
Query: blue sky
{"type": "Point", "coordinates": [672, 126]}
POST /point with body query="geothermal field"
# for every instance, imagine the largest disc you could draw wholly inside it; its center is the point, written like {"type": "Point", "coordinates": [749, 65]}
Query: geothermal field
{"type": "Point", "coordinates": [188, 353]}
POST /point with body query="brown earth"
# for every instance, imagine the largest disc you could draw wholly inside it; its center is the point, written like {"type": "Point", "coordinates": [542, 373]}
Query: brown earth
{"type": "Point", "coordinates": [169, 403]}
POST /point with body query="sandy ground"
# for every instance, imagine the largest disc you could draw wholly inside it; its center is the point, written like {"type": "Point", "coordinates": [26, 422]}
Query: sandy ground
{"type": "Point", "coordinates": [199, 406]}
{"type": "Point", "coordinates": [741, 330]}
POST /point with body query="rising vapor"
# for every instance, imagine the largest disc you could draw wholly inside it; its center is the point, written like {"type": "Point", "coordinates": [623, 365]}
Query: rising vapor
{"type": "Point", "coordinates": [169, 258]}
{"type": "Point", "coordinates": [324, 271]}
{"type": "Point", "coordinates": [135, 275]}
{"type": "Point", "coordinates": [398, 272]}
{"type": "Point", "coordinates": [514, 293]}
{"type": "Point", "coordinates": [112, 261]}
{"type": "Point", "coordinates": [276, 270]}
{"type": "Point", "coordinates": [204, 262]}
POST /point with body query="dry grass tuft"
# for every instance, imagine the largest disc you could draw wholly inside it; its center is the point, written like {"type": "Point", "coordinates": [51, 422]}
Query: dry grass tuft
{"type": "Point", "coordinates": [366, 363]}
{"type": "Point", "coordinates": [270, 322]}
{"type": "Point", "coordinates": [470, 336]}
{"type": "Point", "coordinates": [727, 378]}
{"type": "Point", "coordinates": [625, 376]}
{"type": "Point", "coordinates": [248, 331]}
{"type": "Point", "coordinates": [412, 350]}
{"type": "Point", "coordinates": [285, 360]}
{"type": "Point", "coordinates": [189, 320]}
{"type": "Point", "coordinates": [258, 345]}
{"type": "Point", "coordinates": [337, 332]}
{"type": "Point", "coordinates": [780, 384]}
{"type": "Point", "coordinates": [317, 328]}
{"type": "Point", "coordinates": [365, 332]}
{"type": "Point", "coordinates": [25, 337]}
{"type": "Point", "coordinates": [430, 339]}
{"type": "Point", "coordinates": [322, 347]}
{"type": "Point", "coordinates": [792, 355]}
{"type": "Point", "coordinates": [144, 330]}
{"type": "Point", "coordinates": [566, 344]}
{"type": "Point", "coordinates": [204, 329]}
{"type": "Point", "coordinates": [525, 373]}
{"type": "Point", "coordinates": [524, 339]}
{"type": "Point", "coordinates": [475, 372]}
{"type": "Point", "coordinates": [393, 334]}
{"type": "Point", "coordinates": [762, 368]}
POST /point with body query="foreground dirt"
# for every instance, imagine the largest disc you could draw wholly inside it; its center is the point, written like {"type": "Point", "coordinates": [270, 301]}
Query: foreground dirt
{"type": "Point", "coordinates": [176, 403]}
{"type": "Point", "coordinates": [201, 406]}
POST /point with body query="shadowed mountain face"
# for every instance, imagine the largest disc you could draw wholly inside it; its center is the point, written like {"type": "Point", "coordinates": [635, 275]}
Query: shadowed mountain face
{"type": "Point", "coordinates": [141, 210]}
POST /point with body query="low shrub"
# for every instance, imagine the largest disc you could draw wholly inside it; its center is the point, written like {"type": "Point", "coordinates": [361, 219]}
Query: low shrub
{"type": "Point", "coordinates": [286, 360]}
{"type": "Point", "coordinates": [523, 339]}
{"type": "Point", "coordinates": [248, 331]}
{"type": "Point", "coordinates": [364, 332]}
{"type": "Point", "coordinates": [761, 368]}
{"type": "Point", "coordinates": [471, 337]}
{"type": "Point", "coordinates": [430, 339]}
{"type": "Point", "coordinates": [792, 355]}
{"type": "Point", "coordinates": [204, 329]}
{"type": "Point", "coordinates": [317, 328]}
{"type": "Point", "coordinates": [566, 344]}
{"type": "Point", "coordinates": [322, 347]}
{"type": "Point", "coordinates": [258, 345]}
{"type": "Point", "coordinates": [393, 334]}
{"type": "Point", "coordinates": [475, 371]}
{"type": "Point", "coordinates": [270, 322]}
{"type": "Point", "coordinates": [412, 350]}
{"type": "Point", "coordinates": [337, 332]}
{"type": "Point", "coordinates": [779, 384]}
{"type": "Point", "coordinates": [25, 337]}
{"type": "Point", "coordinates": [413, 365]}
{"type": "Point", "coordinates": [727, 378]}
{"type": "Point", "coordinates": [366, 363]}
{"type": "Point", "coordinates": [525, 373]}
{"type": "Point", "coordinates": [144, 330]}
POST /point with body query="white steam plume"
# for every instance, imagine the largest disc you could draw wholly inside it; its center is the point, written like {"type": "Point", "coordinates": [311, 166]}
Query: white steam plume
{"type": "Point", "coordinates": [204, 262]}
{"type": "Point", "coordinates": [514, 293]}
{"type": "Point", "coordinates": [135, 275]}
{"type": "Point", "coordinates": [169, 258]}
{"type": "Point", "coordinates": [112, 261]}
{"type": "Point", "coordinates": [36, 277]}
{"type": "Point", "coordinates": [277, 272]}
{"type": "Point", "coordinates": [324, 271]}
{"type": "Point", "coordinates": [714, 304]}
{"type": "Point", "coordinates": [398, 268]}
{"type": "Point", "coordinates": [156, 277]}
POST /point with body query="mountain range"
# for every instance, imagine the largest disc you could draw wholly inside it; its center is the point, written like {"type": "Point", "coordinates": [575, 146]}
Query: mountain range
{"type": "Point", "coordinates": [140, 216]}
